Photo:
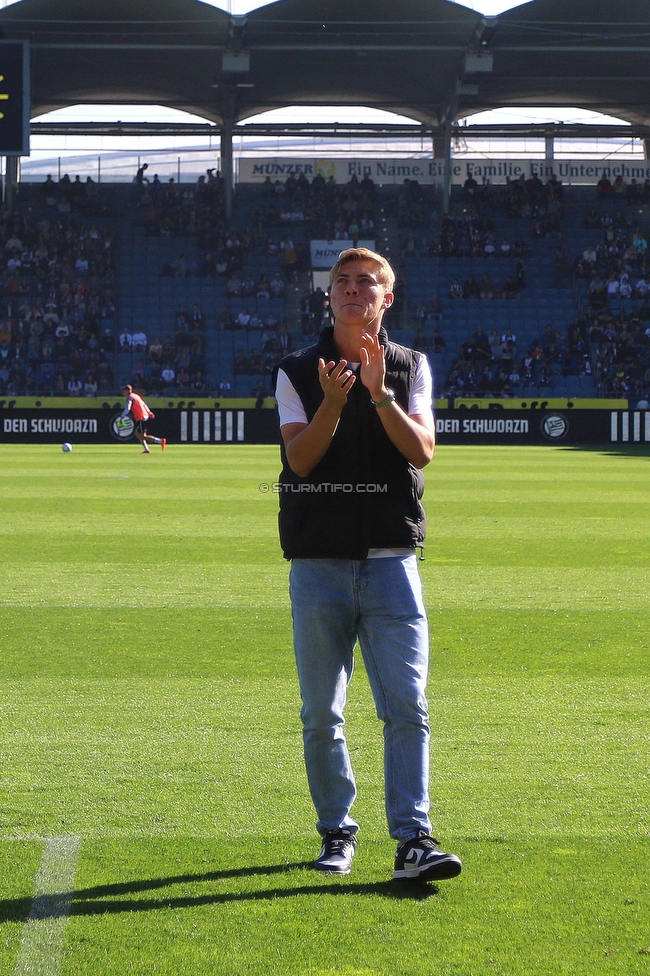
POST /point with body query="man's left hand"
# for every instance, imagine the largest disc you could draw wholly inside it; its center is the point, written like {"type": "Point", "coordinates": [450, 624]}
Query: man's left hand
{"type": "Point", "coordinates": [373, 366]}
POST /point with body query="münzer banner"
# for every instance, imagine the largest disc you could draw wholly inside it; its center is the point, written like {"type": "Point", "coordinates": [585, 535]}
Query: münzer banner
{"type": "Point", "coordinates": [580, 172]}
{"type": "Point", "coordinates": [324, 254]}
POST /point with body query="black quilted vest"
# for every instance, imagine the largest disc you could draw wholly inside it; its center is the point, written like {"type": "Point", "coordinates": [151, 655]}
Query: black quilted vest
{"type": "Point", "coordinates": [363, 494]}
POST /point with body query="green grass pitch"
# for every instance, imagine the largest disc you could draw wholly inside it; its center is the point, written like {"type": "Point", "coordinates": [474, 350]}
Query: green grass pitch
{"type": "Point", "coordinates": [149, 707]}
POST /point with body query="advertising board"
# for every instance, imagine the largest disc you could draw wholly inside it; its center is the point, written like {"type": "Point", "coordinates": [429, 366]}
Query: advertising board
{"type": "Point", "coordinates": [224, 425]}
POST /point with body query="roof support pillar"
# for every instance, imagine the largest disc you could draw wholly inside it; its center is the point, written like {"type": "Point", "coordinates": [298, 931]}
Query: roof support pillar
{"type": "Point", "coordinates": [227, 163]}
{"type": "Point", "coordinates": [11, 181]}
{"type": "Point", "coordinates": [550, 147]}
{"type": "Point", "coordinates": [438, 146]}
{"type": "Point", "coordinates": [446, 179]}
{"type": "Point", "coordinates": [646, 148]}
{"type": "Point", "coordinates": [228, 114]}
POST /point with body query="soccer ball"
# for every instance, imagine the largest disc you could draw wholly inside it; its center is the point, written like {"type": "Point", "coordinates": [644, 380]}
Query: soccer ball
{"type": "Point", "coordinates": [66, 448]}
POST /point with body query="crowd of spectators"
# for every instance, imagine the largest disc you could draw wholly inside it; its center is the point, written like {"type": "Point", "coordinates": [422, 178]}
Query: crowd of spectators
{"type": "Point", "coordinates": [485, 286]}
{"type": "Point", "coordinates": [610, 337]}
{"type": "Point", "coordinates": [226, 261]}
{"type": "Point", "coordinates": [494, 366]}
{"type": "Point", "coordinates": [621, 194]}
{"type": "Point", "coordinates": [469, 231]}
{"type": "Point", "coordinates": [412, 205]}
{"type": "Point", "coordinates": [619, 344]}
{"type": "Point", "coordinates": [528, 199]}
{"type": "Point", "coordinates": [58, 303]}
{"type": "Point", "coordinates": [489, 365]}
{"type": "Point", "coordinates": [616, 270]}
{"type": "Point", "coordinates": [314, 312]}
{"type": "Point", "coordinates": [78, 197]}
{"type": "Point", "coordinates": [221, 250]}
{"type": "Point", "coordinates": [193, 211]}
{"type": "Point", "coordinates": [298, 207]}
{"type": "Point", "coordinates": [274, 344]}
{"type": "Point", "coordinates": [229, 264]}
{"type": "Point", "coordinates": [322, 208]}
{"type": "Point", "coordinates": [170, 210]}
{"type": "Point", "coordinates": [58, 262]}
{"type": "Point", "coordinates": [472, 235]}
{"type": "Point", "coordinates": [174, 365]}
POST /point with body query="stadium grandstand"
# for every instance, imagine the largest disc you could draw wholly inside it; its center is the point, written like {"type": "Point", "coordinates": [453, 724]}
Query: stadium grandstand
{"type": "Point", "coordinates": [521, 273]}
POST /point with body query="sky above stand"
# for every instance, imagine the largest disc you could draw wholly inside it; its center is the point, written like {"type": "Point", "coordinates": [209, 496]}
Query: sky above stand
{"type": "Point", "coordinates": [490, 7]}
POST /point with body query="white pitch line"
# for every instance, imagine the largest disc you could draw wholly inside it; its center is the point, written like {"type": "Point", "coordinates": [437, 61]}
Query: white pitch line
{"type": "Point", "coordinates": [42, 941]}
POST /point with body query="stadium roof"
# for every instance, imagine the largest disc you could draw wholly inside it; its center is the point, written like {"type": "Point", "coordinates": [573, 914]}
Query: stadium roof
{"type": "Point", "coordinates": [590, 54]}
{"type": "Point", "coordinates": [431, 60]}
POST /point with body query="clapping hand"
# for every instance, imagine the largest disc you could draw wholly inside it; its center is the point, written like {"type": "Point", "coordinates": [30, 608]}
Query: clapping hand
{"type": "Point", "coordinates": [373, 366]}
{"type": "Point", "coordinates": [336, 381]}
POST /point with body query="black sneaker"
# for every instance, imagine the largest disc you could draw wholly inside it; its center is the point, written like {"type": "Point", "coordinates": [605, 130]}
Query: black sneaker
{"type": "Point", "coordinates": [339, 847]}
{"type": "Point", "coordinates": [421, 859]}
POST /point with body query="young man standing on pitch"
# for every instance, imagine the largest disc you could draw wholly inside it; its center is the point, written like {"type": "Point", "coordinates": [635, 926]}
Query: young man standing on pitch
{"type": "Point", "coordinates": [141, 413]}
{"type": "Point", "coordinates": [357, 428]}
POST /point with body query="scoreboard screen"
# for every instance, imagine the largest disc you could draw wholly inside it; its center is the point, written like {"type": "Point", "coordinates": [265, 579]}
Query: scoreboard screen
{"type": "Point", "coordinates": [14, 98]}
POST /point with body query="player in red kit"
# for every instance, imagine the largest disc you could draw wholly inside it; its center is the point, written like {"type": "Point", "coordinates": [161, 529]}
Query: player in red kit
{"type": "Point", "coordinates": [141, 414]}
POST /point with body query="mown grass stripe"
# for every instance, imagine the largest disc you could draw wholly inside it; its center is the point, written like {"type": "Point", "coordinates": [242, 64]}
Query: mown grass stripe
{"type": "Point", "coordinates": [42, 941]}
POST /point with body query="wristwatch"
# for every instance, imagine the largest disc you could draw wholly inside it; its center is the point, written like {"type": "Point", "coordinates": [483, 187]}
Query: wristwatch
{"type": "Point", "coordinates": [384, 403]}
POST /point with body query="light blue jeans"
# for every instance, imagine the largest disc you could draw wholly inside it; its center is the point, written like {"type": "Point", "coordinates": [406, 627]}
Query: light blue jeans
{"type": "Point", "coordinates": [378, 601]}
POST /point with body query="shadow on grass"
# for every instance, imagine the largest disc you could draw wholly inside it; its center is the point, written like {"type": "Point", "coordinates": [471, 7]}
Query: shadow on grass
{"type": "Point", "coordinates": [113, 898]}
{"type": "Point", "coordinates": [610, 450]}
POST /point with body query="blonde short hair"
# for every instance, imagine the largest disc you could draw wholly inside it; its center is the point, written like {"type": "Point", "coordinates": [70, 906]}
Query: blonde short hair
{"type": "Point", "coordinates": [386, 273]}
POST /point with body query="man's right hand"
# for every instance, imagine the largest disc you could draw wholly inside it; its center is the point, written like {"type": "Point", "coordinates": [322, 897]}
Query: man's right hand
{"type": "Point", "coordinates": [336, 381]}
{"type": "Point", "coordinates": [306, 444]}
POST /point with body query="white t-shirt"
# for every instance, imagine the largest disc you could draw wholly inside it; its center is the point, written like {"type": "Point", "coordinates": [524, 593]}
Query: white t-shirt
{"type": "Point", "coordinates": [291, 411]}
